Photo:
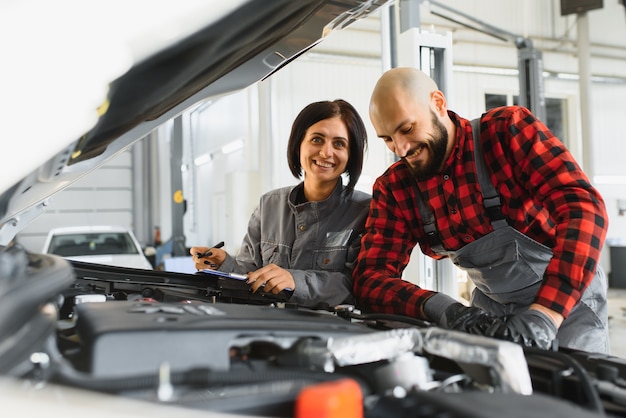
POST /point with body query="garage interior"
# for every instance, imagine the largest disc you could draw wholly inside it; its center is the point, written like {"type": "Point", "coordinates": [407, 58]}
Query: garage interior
{"type": "Point", "coordinates": [195, 179]}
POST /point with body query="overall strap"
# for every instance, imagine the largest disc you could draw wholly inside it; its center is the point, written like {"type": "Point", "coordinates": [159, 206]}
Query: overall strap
{"type": "Point", "coordinates": [491, 198]}
{"type": "Point", "coordinates": [430, 228]}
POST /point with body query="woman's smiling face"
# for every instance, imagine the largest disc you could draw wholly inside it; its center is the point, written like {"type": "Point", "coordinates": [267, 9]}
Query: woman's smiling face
{"type": "Point", "coordinates": [325, 150]}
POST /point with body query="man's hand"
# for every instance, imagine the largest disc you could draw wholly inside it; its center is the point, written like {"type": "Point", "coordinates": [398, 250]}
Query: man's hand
{"type": "Point", "coordinates": [472, 320]}
{"type": "Point", "coordinates": [531, 328]}
{"type": "Point", "coordinates": [449, 313]}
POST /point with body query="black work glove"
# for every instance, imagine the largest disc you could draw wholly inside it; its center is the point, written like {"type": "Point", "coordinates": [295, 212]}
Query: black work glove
{"type": "Point", "coordinates": [448, 313]}
{"type": "Point", "coordinates": [472, 320]}
{"type": "Point", "coordinates": [531, 328]}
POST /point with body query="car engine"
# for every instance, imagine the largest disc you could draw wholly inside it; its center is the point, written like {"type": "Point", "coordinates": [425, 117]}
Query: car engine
{"type": "Point", "coordinates": [205, 343]}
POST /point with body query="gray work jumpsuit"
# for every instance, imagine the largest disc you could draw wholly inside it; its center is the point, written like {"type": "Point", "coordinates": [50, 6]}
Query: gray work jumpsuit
{"type": "Point", "coordinates": [318, 242]}
{"type": "Point", "coordinates": [507, 268]}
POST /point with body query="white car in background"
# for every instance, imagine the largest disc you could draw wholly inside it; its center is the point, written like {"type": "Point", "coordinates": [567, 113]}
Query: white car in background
{"type": "Point", "coordinates": [109, 245]}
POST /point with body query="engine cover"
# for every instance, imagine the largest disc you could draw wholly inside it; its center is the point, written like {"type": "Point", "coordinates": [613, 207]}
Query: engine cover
{"type": "Point", "coordinates": [121, 338]}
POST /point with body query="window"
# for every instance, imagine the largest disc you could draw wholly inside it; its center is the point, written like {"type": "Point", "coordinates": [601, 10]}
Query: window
{"type": "Point", "coordinates": [92, 244]}
{"type": "Point", "coordinates": [556, 110]}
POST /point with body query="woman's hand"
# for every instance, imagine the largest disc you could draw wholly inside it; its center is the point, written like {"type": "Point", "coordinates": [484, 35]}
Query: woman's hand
{"type": "Point", "coordinates": [212, 260]}
{"type": "Point", "coordinates": [271, 278]}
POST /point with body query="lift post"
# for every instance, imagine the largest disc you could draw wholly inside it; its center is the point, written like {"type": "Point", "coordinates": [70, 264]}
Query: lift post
{"type": "Point", "coordinates": [531, 90]}
{"type": "Point", "coordinates": [432, 54]}
{"type": "Point", "coordinates": [178, 200]}
{"type": "Point", "coordinates": [530, 60]}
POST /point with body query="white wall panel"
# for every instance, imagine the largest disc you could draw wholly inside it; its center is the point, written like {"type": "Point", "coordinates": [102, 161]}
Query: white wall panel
{"type": "Point", "coordinates": [231, 178]}
{"type": "Point", "coordinates": [87, 200]}
{"type": "Point", "coordinates": [609, 142]}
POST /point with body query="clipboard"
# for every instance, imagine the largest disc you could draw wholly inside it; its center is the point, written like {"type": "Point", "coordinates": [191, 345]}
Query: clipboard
{"type": "Point", "coordinates": [224, 274]}
{"type": "Point", "coordinates": [237, 288]}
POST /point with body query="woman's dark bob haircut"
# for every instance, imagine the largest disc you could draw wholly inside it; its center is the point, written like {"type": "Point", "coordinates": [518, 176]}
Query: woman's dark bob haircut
{"type": "Point", "coordinates": [318, 111]}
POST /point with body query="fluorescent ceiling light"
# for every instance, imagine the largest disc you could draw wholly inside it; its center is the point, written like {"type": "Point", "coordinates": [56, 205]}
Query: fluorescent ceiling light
{"type": "Point", "coordinates": [609, 179]}
{"type": "Point", "coordinates": [202, 159]}
{"type": "Point", "coordinates": [476, 69]}
{"type": "Point", "coordinates": [232, 146]}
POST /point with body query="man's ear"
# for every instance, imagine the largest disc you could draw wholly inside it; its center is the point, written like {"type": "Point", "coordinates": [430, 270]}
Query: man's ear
{"type": "Point", "coordinates": [438, 100]}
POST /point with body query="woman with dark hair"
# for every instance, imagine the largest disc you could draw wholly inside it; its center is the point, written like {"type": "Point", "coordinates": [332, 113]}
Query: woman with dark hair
{"type": "Point", "coordinates": [306, 237]}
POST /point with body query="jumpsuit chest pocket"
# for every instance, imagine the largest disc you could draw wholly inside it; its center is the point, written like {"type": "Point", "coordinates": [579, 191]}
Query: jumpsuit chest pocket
{"type": "Point", "coordinates": [503, 263]}
{"type": "Point", "coordinates": [498, 257]}
{"type": "Point", "coordinates": [331, 259]}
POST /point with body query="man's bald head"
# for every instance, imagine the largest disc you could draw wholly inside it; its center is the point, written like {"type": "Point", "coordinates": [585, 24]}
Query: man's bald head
{"type": "Point", "coordinates": [403, 82]}
{"type": "Point", "coordinates": [410, 114]}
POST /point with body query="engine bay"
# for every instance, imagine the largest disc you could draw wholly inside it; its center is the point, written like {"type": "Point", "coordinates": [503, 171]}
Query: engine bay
{"type": "Point", "coordinates": [204, 344]}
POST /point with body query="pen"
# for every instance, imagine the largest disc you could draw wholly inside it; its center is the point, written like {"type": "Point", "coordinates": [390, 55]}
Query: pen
{"type": "Point", "coordinates": [208, 252]}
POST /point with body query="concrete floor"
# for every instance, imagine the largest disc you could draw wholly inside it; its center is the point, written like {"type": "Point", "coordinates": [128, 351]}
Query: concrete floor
{"type": "Point", "coordinates": [617, 321]}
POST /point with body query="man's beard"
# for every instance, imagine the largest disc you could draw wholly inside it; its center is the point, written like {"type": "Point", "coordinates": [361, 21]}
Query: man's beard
{"type": "Point", "coordinates": [437, 150]}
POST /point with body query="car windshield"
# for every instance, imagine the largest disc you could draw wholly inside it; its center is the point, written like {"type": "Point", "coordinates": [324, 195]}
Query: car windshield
{"type": "Point", "coordinates": [92, 244]}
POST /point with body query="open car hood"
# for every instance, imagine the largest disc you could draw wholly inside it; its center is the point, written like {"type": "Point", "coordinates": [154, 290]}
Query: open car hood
{"type": "Point", "coordinates": [85, 82]}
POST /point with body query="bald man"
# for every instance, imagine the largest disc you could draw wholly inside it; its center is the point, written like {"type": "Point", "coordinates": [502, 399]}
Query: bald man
{"type": "Point", "coordinates": [509, 205]}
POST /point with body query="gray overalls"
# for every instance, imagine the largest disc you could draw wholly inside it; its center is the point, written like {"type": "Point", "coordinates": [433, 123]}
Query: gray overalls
{"type": "Point", "coordinates": [507, 268]}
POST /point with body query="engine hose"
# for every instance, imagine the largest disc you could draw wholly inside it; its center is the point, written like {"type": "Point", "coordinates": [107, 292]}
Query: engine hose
{"type": "Point", "coordinates": [391, 318]}
{"type": "Point", "coordinates": [587, 385]}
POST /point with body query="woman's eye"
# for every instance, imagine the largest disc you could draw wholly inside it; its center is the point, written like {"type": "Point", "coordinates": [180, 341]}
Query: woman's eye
{"type": "Point", "coordinates": [340, 144]}
{"type": "Point", "coordinates": [406, 130]}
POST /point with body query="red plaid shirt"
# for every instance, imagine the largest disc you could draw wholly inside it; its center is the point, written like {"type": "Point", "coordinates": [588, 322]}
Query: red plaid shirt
{"type": "Point", "coordinates": [545, 195]}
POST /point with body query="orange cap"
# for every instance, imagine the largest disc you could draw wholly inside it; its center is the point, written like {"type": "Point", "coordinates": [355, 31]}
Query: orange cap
{"type": "Point", "coordinates": [338, 399]}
